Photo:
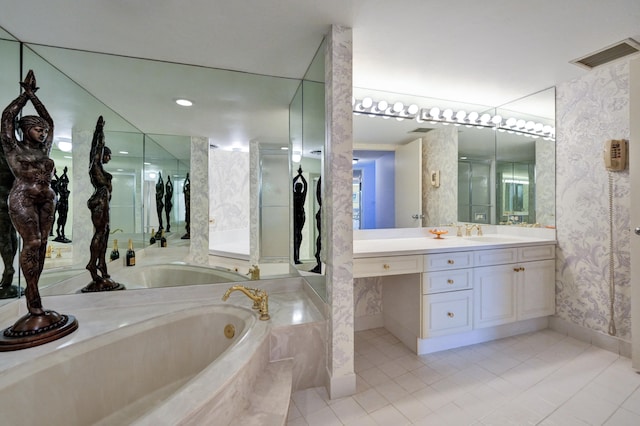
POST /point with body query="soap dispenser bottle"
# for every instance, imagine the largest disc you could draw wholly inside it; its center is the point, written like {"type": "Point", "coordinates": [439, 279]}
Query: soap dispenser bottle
{"type": "Point", "coordinates": [163, 240]}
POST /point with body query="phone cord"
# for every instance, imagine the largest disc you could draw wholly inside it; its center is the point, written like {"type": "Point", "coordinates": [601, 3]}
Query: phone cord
{"type": "Point", "coordinates": [612, 287]}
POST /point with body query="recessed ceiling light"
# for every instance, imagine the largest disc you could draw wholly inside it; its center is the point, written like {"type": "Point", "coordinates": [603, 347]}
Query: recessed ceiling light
{"type": "Point", "coordinates": [184, 102]}
{"type": "Point", "coordinates": [284, 148]}
{"type": "Point", "coordinates": [123, 152]}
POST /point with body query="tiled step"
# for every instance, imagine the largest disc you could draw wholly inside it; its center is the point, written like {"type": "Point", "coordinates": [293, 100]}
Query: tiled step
{"type": "Point", "coordinates": [271, 396]}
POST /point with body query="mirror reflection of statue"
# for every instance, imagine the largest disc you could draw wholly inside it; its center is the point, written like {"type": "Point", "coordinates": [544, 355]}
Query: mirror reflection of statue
{"type": "Point", "coordinates": [54, 186]}
{"type": "Point", "coordinates": [98, 203]}
{"type": "Point", "coordinates": [168, 201]}
{"type": "Point", "coordinates": [299, 197]}
{"type": "Point", "coordinates": [63, 207]}
{"type": "Point", "coordinates": [187, 207]}
{"type": "Point", "coordinates": [318, 268]}
{"type": "Point", "coordinates": [159, 204]}
{"type": "Point", "coordinates": [8, 234]}
{"type": "Point", "coordinates": [31, 204]}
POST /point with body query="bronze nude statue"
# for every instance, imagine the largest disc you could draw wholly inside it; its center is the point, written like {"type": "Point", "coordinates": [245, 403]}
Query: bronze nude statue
{"type": "Point", "coordinates": [299, 197]}
{"type": "Point", "coordinates": [318, 268]}
{"type": "Point", "coordinates": [159, 204]}
{"type": "Point", "coordinates": [63, 207]}
{"type": "Point", "coordinates": [98, 203]}
{"type": "Point", "coordinates": [31, 205]}
{"type": "Point", "coordinates": [187, 208]}
{"type": "Point", "coordinates": [168, 201]}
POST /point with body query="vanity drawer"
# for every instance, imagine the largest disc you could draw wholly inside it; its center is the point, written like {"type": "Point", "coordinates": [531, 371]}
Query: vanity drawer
{"type": "Point", "coordinates": [447, 313]}
{"type": "Point", "coordinates": [390, 265]}
{"type": "Point", "coordinates": [526, 254]}
{"type": "Point", "coordinates": [496, 256]}
{"type": "Point", "coordinates": [442, 261]}
{"type": "Point", "coordinates": [455, 279]}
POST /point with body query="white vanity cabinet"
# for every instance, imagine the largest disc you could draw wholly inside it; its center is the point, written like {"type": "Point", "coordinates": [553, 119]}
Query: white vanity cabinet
{"type": "Point", "coordinates": [463, 294]}
{"type": "Point", "coordinates": [513, 285]}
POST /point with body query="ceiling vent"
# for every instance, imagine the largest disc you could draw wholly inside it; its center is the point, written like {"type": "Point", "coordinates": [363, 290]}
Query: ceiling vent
{"type": "Point", "coordinates": [611, 53]}
{"type": "Point", "coordinates": [421, 130]}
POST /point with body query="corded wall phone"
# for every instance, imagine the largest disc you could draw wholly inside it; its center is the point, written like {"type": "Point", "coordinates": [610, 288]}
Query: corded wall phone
{"type": "Point", "coordinates": [615, 154]}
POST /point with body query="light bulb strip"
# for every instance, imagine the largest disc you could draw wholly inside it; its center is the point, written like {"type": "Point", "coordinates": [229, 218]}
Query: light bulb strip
{"type": "Point", "coordinates": [457, 118]}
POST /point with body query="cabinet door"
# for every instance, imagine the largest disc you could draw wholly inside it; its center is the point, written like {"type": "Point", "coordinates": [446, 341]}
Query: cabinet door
{"type": "Point", "coordinates": [494, 299]}
{"type": "Point", "coordinates": [446, 313]}
{"type": "Point", "coordinates": [536, 292]}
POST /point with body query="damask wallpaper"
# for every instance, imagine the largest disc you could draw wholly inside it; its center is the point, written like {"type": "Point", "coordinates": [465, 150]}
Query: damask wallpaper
{"type": "Point", "coordinates": [591, 110]}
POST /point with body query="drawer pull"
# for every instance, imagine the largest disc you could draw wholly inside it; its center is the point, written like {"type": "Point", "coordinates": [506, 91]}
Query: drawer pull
{"type": "Point", "coordinates": [449, 281]}
{"type": "Point", "coordinates": [451, 261]}
{"type": "Point", "coordinates": [450, 314]}
{"type": "Point", "coordinates": [386, 266]}
{"type": "Point", "coordinates": [520, 269]}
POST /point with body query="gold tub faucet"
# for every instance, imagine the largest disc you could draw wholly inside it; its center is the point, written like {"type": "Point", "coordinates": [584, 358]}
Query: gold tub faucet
{"type": "Point", "coordinates": [259, 297]}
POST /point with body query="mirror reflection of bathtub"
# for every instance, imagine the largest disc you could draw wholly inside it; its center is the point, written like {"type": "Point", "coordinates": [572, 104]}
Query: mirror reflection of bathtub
{"type": "Point", "coordinates": [156, 268]}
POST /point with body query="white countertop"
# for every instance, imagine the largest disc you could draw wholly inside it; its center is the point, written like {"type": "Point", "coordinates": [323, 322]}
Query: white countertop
{"type": "Point", "coordinates": [390, 242]}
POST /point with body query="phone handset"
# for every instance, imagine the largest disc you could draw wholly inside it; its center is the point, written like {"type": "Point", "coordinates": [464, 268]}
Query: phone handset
{"type": "Point", "coordinates": [615, 154]}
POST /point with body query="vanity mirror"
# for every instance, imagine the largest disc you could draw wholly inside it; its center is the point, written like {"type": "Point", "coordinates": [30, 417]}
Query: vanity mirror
{"type": "Point", "coordinates": [230, 108]}
{"type": "Point", "coordinates": [452, 171]}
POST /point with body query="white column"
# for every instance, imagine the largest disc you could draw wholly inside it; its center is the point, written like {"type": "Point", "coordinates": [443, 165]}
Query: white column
{"type": "Point", "coordinates": [337, 212]}
{"type": "Point", "coordinates": [82, 190]}
{"type": "Point", "coordinates": [199, 220]}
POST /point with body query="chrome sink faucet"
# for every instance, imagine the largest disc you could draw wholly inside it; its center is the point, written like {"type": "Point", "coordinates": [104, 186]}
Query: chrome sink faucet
{"type": "Point", "coordinates": [259, 297]}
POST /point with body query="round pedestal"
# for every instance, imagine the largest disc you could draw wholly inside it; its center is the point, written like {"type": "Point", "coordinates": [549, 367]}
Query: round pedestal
{"type": "Point", "coordinates": [10, 292]}
{"type": "Point", "coordinates": [34, 330]}
{"type": "Point", "coordinates": [106, 284]}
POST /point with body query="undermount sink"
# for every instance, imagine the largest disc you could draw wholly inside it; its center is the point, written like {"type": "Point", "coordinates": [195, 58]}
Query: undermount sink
{"type": "Point", "coordinates": [493, 239]}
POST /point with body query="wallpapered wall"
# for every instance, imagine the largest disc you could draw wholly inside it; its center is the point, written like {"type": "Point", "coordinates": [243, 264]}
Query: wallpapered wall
{"type": "Point", "coordinates": [589, 111]}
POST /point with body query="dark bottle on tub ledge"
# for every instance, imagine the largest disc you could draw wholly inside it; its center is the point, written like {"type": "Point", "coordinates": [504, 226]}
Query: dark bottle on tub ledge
{"type": "Point", "coordinates": [115, 254]}
{"type": "Point", "coordinates": [152, 240]}
{"type": "Point", "coordinates": [131, 255]}
{"type": "Point", "coordinates": [163, 240]}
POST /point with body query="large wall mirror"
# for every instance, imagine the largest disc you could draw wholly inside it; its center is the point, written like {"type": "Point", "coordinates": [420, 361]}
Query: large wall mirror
{"type": "Point", "coordinates": [429, 162]}
{"type": "Point", "coordinates": [150, 137]}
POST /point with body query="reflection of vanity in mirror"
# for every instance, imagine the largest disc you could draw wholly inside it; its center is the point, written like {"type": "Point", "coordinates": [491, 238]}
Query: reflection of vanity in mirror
{"type": "Point", "coordinates": [240, 234]}
{"type": "Point", "coordinates": [442, 169]}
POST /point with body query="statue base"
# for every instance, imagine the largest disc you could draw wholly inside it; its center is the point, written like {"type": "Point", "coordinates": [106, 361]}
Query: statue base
{"type": "Point", "coordinates": [34, 330]}
{"type": "Point", "coordinates": [186, 237]}
{"type": "Point", "coordinates": [11, 292]}
{"type": "Point", "coordinates": [64, 240]}
{"type": "Point", "coordinates": [105, 284]}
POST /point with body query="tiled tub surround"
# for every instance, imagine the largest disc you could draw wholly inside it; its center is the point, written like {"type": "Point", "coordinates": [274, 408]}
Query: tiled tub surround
{"type": "Point", "coordinates": [440, 294]}
{"type": "Point", "coordinates": [149, 337]}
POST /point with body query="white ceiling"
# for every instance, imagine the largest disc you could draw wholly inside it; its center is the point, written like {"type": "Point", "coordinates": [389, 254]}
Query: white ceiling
{"type": "Point", "coordinates": [487, 53]}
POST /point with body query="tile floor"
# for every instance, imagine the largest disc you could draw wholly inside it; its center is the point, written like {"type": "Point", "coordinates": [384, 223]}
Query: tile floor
{"type": "Point", "coordinates": [542, 378]}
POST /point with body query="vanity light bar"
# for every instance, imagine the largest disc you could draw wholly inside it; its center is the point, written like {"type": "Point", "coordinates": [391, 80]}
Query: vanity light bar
{"type": "Point", "coordinates": [435, 115]}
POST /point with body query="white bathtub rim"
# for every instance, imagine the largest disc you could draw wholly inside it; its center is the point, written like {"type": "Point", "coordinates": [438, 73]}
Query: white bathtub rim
{"type": "Point", "coordinates": [46, 360]}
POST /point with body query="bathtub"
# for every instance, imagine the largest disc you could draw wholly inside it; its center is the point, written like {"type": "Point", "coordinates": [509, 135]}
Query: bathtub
{"type": "Point", "coordinates": [174, 274]}
{"type": "Point", "coordinates": [177, 368]}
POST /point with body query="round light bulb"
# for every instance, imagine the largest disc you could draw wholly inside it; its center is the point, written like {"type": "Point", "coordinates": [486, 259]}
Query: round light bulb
{"type": "Point", "coordinates": [398, 107]}
{"type": "Point", "coordinates": [434, 113]}
{"type": "Point", "coordinates": [447, 113]}
{"type": "Point", "coordinates": [521, 123]}
{"type": "Point", "coordinates": [367, 102]}
{"type": "Point", "coordinates": [460, 115]}
{"type": "Point", "coordinates": [497, 119]}
{"type": "Point", "coordinates": [473, 117]}
{"type": "Point", "coordinates": [511, 121]}
{"type": "Point", "coordinates": [413, 109]}
{"type": "Point", "coordinates": [382, 105]}
{"type": "Point", "coordinates": [484, 119]}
